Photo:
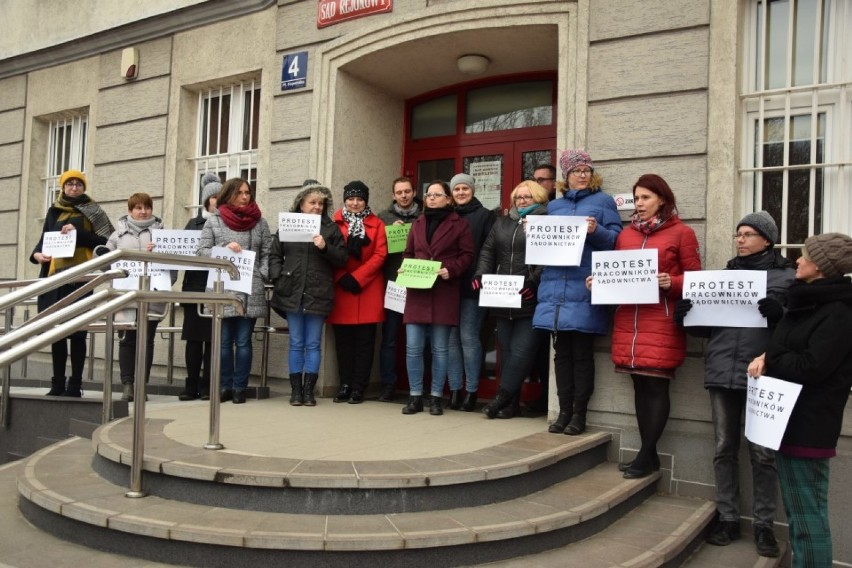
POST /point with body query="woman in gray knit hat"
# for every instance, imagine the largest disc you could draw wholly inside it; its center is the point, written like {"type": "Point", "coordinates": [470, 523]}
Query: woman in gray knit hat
{"type": "Point", "coordinates": [811, 347]}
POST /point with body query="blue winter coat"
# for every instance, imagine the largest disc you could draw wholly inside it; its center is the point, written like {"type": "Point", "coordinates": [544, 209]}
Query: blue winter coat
{"type": "Point", "coordinates": [564, 303]}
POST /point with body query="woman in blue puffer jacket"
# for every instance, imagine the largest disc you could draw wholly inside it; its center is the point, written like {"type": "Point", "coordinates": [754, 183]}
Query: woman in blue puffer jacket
{"type": "Point", "coordinates": [564, 304]}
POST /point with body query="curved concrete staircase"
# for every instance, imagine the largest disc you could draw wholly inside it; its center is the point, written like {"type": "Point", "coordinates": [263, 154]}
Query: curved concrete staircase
{"type": "Point", "coordinates": [536, 497]}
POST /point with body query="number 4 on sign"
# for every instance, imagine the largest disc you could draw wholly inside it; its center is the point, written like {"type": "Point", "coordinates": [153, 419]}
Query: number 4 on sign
{"type": "Point", "coordinates": [293, 70]}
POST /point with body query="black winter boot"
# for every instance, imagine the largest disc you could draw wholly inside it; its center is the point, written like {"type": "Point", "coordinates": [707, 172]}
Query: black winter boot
{"type": "Point", "coordinates": [415, 405]}
{"type": "Point", "coordinates": [469, 401]}
{"type": "Point", "coordinates": [74, 388]}
{"type": "Point", "coordinates": [455, 400]}
{"type": "Point", "coordinates": [297, 397]}
{"type": "Point", "coordinates": [558, 427]}
{"type": "Point", "coordinates": [501, 401]}
{"type": "Point", "coordinates": [512, 410]}
{"type": "Point", "coordinates": [436, 406]}
{"type": "Point", "coordinates": [57, 386]}
{"type": "Point", "coordinates": [577, 425]}
{"type": "Point", "coordinates": [308, 390]}
{"type": "Point", "coordinates": [190, 390]}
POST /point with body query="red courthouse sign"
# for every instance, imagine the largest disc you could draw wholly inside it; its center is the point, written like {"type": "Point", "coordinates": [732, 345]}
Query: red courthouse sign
{"type": "Point", "coordinates": [330, 12]}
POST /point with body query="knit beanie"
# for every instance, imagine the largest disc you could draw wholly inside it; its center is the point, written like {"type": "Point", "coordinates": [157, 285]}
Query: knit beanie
{"type": "Point", "coordinates": [211, 185]}
{"type": "Point", "coordinates": [73, 174]}
{"type": "Point", "coordinates": [763, 223]}
{"type": "Point", "coordinates": [570, 160]}
{"type": "Point", "coordinates": [356, 189]}
{"type": "Point", "coordinates": [466, 179]}
{"type": "Point", "coordinates": [831, 252]}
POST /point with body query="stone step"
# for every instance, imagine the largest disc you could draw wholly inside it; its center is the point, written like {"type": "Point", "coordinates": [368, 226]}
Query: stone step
{"type": "Point", "coordinates": [174, 469]}
{"type": "Point", "coordinates": [738, 554]}
{"type": "Point", "coordinates": [61, 493]}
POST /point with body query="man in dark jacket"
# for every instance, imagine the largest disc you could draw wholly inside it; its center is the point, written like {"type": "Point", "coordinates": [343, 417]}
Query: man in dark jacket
{"type": "Point", "coordinates": [728, 352]}
{"type": "Point", "coordinates": [404, 209]}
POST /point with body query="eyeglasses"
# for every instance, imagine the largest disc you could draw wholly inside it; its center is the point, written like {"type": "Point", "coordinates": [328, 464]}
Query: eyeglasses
{"type": "Point", "coordinates": [434, 195]}
{"type": "Point", "coordinates": [542, 180]}
{"type": "Point", "coordinates": [524, 197]}
{"type": "Point", "coordinates": [74, 184]}
{"type": "Point", "coordinates": [581, 173]}
{"type": "Point", "coordinates": [746, 235]}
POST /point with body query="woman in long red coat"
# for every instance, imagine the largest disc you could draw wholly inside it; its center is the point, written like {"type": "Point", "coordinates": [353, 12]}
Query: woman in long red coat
{"type": "Point", "coordinates": [646, 342]}
{"type": "Point", "coordinates": [359, 292]}
{"type": "Point", "coordinates": [439, 234]}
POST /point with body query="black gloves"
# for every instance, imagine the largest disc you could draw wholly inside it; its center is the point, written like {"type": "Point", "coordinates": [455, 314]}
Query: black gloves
{"type": "Point", "coordinates": [771, 309]}
{"type": "Point", "coordinates": [681, 309]}
{"type": "Point", "coordinates": [348, 283]}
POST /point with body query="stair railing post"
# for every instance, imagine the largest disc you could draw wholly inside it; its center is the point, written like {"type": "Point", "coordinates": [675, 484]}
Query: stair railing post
{"type": "Point", "coordinates": [107, 413]}
{"type": "Point", "coordinates": [215, 367]}
{"type": "Point", "coordinates": [139, 390]}
{"type": "Point", "coordinates": [6, 375]}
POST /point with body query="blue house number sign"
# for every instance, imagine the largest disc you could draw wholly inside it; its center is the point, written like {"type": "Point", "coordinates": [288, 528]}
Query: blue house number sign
{"type": "Point", "coordinates": [294, 71]}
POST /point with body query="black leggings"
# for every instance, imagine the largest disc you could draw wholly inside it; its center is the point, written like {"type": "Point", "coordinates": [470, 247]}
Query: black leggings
{"type": "Point", "coordinates": [651, 398]}
{"type": "Point", "coordinates": [59, 355]}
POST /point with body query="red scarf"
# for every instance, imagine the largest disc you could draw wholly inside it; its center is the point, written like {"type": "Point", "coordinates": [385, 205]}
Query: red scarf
{"type": "Point", "coordinates": [240, 218]}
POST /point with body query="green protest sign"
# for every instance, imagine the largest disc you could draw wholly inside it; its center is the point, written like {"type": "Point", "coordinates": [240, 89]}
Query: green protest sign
{"type": "Point", "coordinates": [417, 273]}
{"type": "Point", "coordinates": [397, 236]}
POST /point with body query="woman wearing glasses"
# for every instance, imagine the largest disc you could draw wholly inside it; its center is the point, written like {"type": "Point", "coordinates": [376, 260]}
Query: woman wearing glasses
{"type": "Point", "coordinates": [565, 304]}
{"type": "Point", "coordinates": [439, 234]}
{"type": "Point", "coordinates": [72, 210]}
{"type": "Point", "coordinates": [504, 252]}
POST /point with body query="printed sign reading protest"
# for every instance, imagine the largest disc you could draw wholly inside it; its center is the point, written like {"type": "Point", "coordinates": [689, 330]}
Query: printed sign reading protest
{"type": "Point", "coordinates": [725, 298]}
{"type": "Point", "coordinates": [625, 277]}
{"type": "Point", "coordinates": [298, 227]}
{"type": "Point", "coordinates": [417, 273]}
{"type": "Point", "coordinates": [160, 279]}
{"type": "Point", "coordinates": [555, 240]}
{"type": "Point", "coordinates": [769, 404]}
{"type": "Point", "coordinates": [57, 245]}
{"type": "Point", "coordinates": [244, 261]}
{"type": "Point", "coordinates": [397, 237]}
{"type": "Point", "coordinates": [184, 243]}
{"type": "Point", "coordinates": [395, 297]}
{"type": "Point", "coordinates": [501, 291]}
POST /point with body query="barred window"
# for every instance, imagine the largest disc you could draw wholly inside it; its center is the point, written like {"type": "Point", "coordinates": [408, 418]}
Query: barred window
{"type": "Point", "coordinates": [797, 112]}
{"type": "Point", "coordinates": [66, 150]}
{"type": "Point", "coordinates": [227, 132]}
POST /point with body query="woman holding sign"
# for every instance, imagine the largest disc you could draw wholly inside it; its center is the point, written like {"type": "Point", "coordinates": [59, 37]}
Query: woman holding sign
{"type": "Point", "coordinates": [564, 304]}
{"type": "Point", "coordinates": [646, 341]}
{"type": "Point", "coordinates": [72, 210]}
{"type": "Point", "coordinates": [438, 235]}
{"type": "Point", "coordinates": [504, 252]}
{"type": "Point", "coordinates": [359, 292]}
{"type": "Point", "coordinates": [237, 224]}
{"type": "Point", "coordinates": [303, 275]}
{"type": "Point", "coordinates": [811, 347]}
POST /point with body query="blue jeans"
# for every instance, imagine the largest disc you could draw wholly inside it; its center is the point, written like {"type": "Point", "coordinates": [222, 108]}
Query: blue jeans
{"type": "Point", "coordinates": [387, 352]}
{"type": "Point", "coordinates": [728, 406]}
{"type": "Point", "coordinates": [466, 346]}
{"type": "Point", "coordinates": [305, 342]}
{"type": "Point", "coordinates": [236, 352]}
{"type": "Point", "coordinates": [518, 350]}
{"type": "Point", "coordinates": [415, 340]}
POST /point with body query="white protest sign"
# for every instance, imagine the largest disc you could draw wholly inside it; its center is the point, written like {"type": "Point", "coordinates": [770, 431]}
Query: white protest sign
{"type": "Point", "coordinates": [725, 298]}
{"type": "Point", "coordinates": [160, 279]}
{"type": "Point", "coordinates": [166, 241]}
{"type": "Point", "coordinates": [57, 245]}
{"type": "Point", "coordinates": [555, 240]}
{"type": "Point", "coordinates": [625, 277]}
{"type": "Point", "coordinates": [298, 227]}
{"type": "Point", "coordinates": [501, 291]}
{"type": "Point", "coordinates": [244, 261]}
{"type": "Point", "coordinates": [769, 404]}
{"type": "Point", "coordinates": [395, 297]}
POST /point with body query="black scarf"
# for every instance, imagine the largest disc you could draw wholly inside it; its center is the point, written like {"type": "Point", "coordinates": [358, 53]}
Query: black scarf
{"type": "Point", "coordinates": [803, 296]}
{"type": "Point", "coordinates": [764, 260]}
{"type": "Point", "coordinates": [434, 218]}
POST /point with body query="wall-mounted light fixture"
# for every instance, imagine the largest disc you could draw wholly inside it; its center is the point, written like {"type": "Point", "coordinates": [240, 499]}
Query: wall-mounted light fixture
{"type": "Point", "coordinates": [473, 64]}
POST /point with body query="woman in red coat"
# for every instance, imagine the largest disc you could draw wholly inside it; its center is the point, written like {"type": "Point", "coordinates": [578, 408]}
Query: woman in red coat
{"type": "Point", "coordinates": [439, 234]}
{"type": "Point", "coordinates": [359, 292]}
{"type": "Point", "coordinates": [646, 342]}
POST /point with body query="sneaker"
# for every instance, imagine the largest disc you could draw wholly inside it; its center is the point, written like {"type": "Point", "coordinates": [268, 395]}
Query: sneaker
{"type": "Point", "coordinates": [724, 533]}
{"type": "Point", "coordinates": [764, 539]}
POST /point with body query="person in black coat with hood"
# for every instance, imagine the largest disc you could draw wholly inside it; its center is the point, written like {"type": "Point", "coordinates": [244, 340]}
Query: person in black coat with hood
{"type": "Point", "coordinates": [197, 330]}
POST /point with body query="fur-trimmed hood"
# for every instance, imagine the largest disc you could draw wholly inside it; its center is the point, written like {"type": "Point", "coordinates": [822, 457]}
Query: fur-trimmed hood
{"type": "Point", "coordinates": [314, 188]}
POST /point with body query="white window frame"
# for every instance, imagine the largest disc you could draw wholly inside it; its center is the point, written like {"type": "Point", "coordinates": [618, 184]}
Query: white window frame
{"type": "Point", "coordinates": [832, 97]}
{"type": "Point", "coordinates": [67, 139]}
{"type": "Point", "coordinates": [228, 159]}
